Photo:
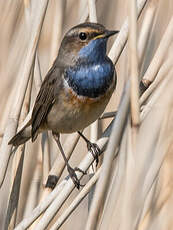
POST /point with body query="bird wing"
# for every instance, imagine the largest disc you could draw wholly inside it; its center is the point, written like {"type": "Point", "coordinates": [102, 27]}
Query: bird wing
{"type": "Point", "coordinates": [45, 99]}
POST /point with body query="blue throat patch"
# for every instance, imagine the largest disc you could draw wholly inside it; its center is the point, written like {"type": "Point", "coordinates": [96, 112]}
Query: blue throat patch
{"type": "Point", "coordinates": [93, 74]}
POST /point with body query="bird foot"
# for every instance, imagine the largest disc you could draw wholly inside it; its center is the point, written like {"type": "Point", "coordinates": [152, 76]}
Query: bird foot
{"type": "Point", "coordinates": [95, 151]}
{"type": "Point", "coordinates": [73, 175]}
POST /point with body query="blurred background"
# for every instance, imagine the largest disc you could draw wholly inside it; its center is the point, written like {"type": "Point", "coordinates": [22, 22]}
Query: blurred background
{"type": "Point", "coordinates": [16, 23]}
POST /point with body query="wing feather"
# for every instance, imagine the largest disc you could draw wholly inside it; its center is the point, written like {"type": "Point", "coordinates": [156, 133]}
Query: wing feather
{"type": "Point", "coordinates": [45, 100]}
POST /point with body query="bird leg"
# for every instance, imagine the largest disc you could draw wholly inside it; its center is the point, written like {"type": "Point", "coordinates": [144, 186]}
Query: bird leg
{"type": "Point", "coordinates": [71, 171]}
{"type": "Point", "coordinates": [92, 147]}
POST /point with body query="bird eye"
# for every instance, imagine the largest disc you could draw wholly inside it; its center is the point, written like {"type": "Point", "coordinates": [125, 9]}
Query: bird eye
{"type": "Point", "coordinates": [83, 36]}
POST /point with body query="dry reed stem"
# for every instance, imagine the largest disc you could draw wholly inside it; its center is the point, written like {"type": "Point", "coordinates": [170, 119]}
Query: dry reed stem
{"type": "Point", "coordinates": [17, 168]}
{"type": "Point", "coordinates": [68, 188]}
{"type": "Point", "coordinates": [108, 115]}
{"type": "Point", "coordinates": [32, 198]}
{"type": "Point", "coordinates": [84, 12]}
{"type": "Point", "coordinates": [59, 222]}
{"type": "Point", "coordinates": [124, 211]}
{"type": "Point", "coordinates": [118, 46]}
{"type": "Point", "coordinates": [133, 63]}
{"type": "Point", "coordinates": [157, 151]}
{"type": "Point", "coordinates": [94, 131]}
{"type": "Point", "coordinates": [92, 10]}
{"type": "Point", "coordinates": [24, 112]}
{"type": "Point", "coordinates": [160, 195]}
{"type": "Point", "coordinates": [104, 222]}
{"type": "Point", "coordinates": [93, 139]}
{"type": "Point", "coordinates": [93, 126]}
{"type": "Point", "coordinates": [93, 168]}
{"type": "Point", "coordinates": [11, 215]}
{"type": "Point", "coordinates": [57, 25]}
{"type": "Point", "coordinates": [44, 194]}
{"type": "Point", "coordinates": [60, 197]}
{"type": "Point", "coordinates": [156, 95]}
{"type": "Point", "coordinates": [116, 195]}
{"type": "Point", "coordinates": [163, 71]}
{"type": "Point", "coordinates": [7, 109]}
{"type": "Point", "coordinates": [115, 136]}
{"type": "Point", "coordinates": [37, 74]}
{"type": "Point", "coordinates": [108, 159]}
{"type": "Point", "coordinates": [21, 86]}
{"type": "Point", "coordinates": [36, 212]}
{"type": "Point", "coordinates": [27, 118]}
{"type": "Point", "coordinates": [45, 157]}
{"type": "Point", "coordinates": [130, 166]}
{"type": "Point", "coordinates": [128, 218]}
{"type": "Point", "coordinates": [45, 139]}
{"type": "Point", "coordinates": [145, 31]}
{"type": "Point", "coordinates": [78, 199]}
{"type": "Point", "coordinates": [132, 184]}
{"type": "Point", "coordinates": [17, 162]}
{"type": "Point", "coordinates": [46, 191]}
{"type": "Point", "coordinates": [159, 55]}
{"type": "Point", "coordinates": [33, 193]}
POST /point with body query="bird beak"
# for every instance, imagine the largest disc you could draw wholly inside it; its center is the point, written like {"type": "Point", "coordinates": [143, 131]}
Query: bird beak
{"type": "Point", "coordinates": [109, 33]}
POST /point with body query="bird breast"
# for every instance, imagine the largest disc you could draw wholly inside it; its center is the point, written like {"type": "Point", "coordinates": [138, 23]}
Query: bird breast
{"type": "Point", "coordinates": [72, 112]}
{"type": "Point", "coordinates": [90, 80]}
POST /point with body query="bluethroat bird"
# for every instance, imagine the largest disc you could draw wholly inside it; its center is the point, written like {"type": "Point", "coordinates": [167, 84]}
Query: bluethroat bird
{"type": "Point", "coordinates": [75, 90]}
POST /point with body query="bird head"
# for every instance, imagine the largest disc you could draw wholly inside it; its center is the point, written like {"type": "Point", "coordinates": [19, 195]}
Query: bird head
{"type": "Point", "coordinates": [86, 41]}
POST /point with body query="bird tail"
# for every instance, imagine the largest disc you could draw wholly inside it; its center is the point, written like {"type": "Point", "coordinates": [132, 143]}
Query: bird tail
{"type": "Point", "coordinates": [22, 136]}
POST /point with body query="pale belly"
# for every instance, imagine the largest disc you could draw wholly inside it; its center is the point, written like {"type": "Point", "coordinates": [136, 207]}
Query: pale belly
{"type": "Point", "coordinates": [71, 115]}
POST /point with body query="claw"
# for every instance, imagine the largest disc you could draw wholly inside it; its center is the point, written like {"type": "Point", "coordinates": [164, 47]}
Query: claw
{"type": "Point", "coordinates": [92, 147]}
{"type": "Point", "coordinates": [73, 176]}
{"type": "Point", "coordinates": [80, 170]}
{"type": "Point", "coordinates": [95, 151]}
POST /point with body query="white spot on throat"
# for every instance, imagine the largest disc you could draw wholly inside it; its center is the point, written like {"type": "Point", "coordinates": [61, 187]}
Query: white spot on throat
{"type": "Point", "coordinates": [68, 88]}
